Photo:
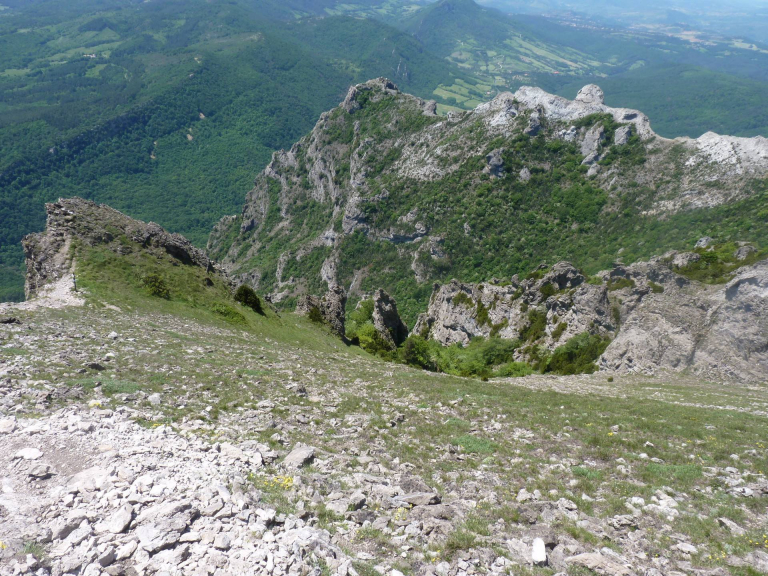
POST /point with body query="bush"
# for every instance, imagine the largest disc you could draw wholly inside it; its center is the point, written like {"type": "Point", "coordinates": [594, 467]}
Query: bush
{"type": "Point", "coordinates": [372, 342]}
{"type": "Point", "coordinates": [247, 297]}
{"type": "Point", "coordinates": [315, 315]}
{"type": "Point", "coordinates": [415, 352]}
{"type": "Point", "coordinates": [578, 355]}
{"type": "Point", "coordinates": [228, 313]}
{"type": "Point", "coordinates": [619, 283]}
{"type": "Point", "coordinates": [537, 323]}
{"type": "Point", "coordinates": [156, 286]}
{"type": "Point", "coordinates": [513, 370]}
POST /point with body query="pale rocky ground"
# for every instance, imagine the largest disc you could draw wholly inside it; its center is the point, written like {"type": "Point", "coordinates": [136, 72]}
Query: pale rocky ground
{"type": "Point", "coordinates": [157, 444]}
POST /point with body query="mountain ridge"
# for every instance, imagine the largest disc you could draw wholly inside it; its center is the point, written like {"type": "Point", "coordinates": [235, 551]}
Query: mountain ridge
{"type": "Point", "coordinates": [382, 173]}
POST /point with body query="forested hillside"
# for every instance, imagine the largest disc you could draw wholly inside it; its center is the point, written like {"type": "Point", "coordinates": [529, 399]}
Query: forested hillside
{"type": "Point", "coordinates": [168, 110]}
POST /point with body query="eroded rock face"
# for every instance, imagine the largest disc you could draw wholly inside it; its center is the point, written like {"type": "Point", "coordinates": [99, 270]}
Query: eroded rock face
{"type": "Point", "coordinates": [49, 254]}
{"type": "Point", "coordinates": [458, 311]}
{"type": "Point", "coordinates": [338, 168]}
{"type": "Point", "coordinates": [718, 331]}
{"type": "Point", "coordinates": [657, 319]}
{"type": "Point", "coordinates": [386, 320]}
{"type": "Point", "coordinates": [331, 307]}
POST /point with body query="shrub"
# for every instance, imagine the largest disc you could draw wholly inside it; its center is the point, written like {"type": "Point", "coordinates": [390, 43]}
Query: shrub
{"type": "Point", "coordinates": [415, 352]}
{"type": "Point", "coordinates": [315, 315]}
{"type": "Point", "coordinates": [513, 370]}
{"type": "Point", "coordinates": [228, 313]}
{"type": "Point", "coordinates": [619, 283]}
{"type": "Point", "coordinates": [372, 342]}
{"type": "Point", "coordinates": [156, 285]}
{"type": "Point", "coordinates": [537, 322]}
{"type": "Point", "coordinates": [247, 297]}
{"type": "Point", "coordinates": [656, 288]}
{"type": "Point", "coordinates": [578, 355]}
{"type": "Point", "coordinates": [548, 290]}
{"type": "Point", "coordinates": [558, 331]}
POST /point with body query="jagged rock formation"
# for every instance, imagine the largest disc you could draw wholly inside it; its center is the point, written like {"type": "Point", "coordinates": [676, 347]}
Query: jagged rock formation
{"type": "Point", "coordinates": [386, 320]}
{"type": "Point", "coordinates": [331, 307]}
{"type": "Point", "coordinates": [657, 319]}
{"type": "Point", "coordinates": [458, 311]}
{"type": "Point", "coordinates": [719, 331]}
{"type": "Point", "coordinates": [74, 220]}
{"type": "Point", "coordinates": [383, 176]}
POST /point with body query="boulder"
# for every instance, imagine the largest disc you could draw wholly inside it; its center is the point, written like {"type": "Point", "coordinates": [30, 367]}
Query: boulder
{"type": "Point", "coordinates": [591, 94]}
{"type": "Point", "coordinates": [599, 564]}
{"type": "Point", "coordinates": [299, 456]}
{"type": "Point", "coordinates": [622, 135]}
{"type": "Point", "coordinates": [386, 320]}
{"type": "Point", "coordinates": [704, 242]}
{"type": "Point", "coordinates": [744, 252]}
{"type": "Point", "coordinates": [495, 163]}
{"type": "Point", "coordinates": [331, 307]}
{"type": "Point", "coordinates": [592, 144]}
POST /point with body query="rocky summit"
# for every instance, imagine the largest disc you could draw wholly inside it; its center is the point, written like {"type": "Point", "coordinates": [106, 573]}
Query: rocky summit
{"type": "Point", "coordinates": [395, 370]}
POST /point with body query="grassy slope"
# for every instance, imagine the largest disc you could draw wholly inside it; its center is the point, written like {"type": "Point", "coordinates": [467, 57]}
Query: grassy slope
{"type": "Point", "coordinates": [508, 433]}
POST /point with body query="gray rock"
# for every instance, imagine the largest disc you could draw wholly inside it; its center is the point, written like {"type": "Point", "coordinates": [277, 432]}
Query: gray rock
{"type": "Point", "coordinates": [717, 331]}
{"type": "Point", "coordinates": [155, 399]}
{"type": "Point", "coordinates": [601, 565]}
{"type": "Point", "coordinates": [562, 294]}
{"type": "Point", "coordinates": [684, 259]}
{"type": "Point", "coordinates": [534, 124]}
{"type": "Point", "coordinates": [591, 94]}
{"type": "Point", "coordinates": [41, 471]}
{"type": "Point", "coordinates": [592, 144]}
{"type": "Point", "coordinates": [7, 425]}
{"type": "Point", "coordinates": [223, 541]}
{"type": "Point", "coordinates": [495, 163]}
{"type": "Point", "coordinates": [419, 498]}
{"type": "Point", "coordinates": [744, 252]}
{"type": "Point", "coordinates": [299, 456]}
{"type": "Point", "coordinates": [732, 527]}
{"type": "Point", "coordinates": [704, 242]}
{"type": "Point", "coordinates": [525, 174]}
{"type": "Point", "coordinates": [28, 454]}
{"type": "Point", "coordinates": [331, 307]}
{"type": "Point", "coordinates": [120, 519]}
{"type": "Point", "coordinates": [622, 135]}
{"type": "Point", "coordinates": [386, 320]}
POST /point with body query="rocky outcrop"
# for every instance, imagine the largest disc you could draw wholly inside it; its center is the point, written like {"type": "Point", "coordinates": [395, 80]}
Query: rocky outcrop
{"type": "Point", "coordinates": [49, 254]}
{"type": "Point", "coordinates": [331, 307]}
{"type": "Point", "coordinates": [715, 331]}
{"type": "Point", "coordinates": [381, 153]}
{"type": "Point", "coordinates": [657, 318]}
{"type": "Point", "coordinates": [557, 300]}
{"type": "Point", "coordinates": [386, 320]}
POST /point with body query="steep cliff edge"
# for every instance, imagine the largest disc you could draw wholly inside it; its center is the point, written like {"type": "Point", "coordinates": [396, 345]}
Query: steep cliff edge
{"type": "Point", "coordinates": [383, 193]}
{"type": "Point", "coordinates": [655, 317]}
{"type": "Point", "coordinates": [74, 222]}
